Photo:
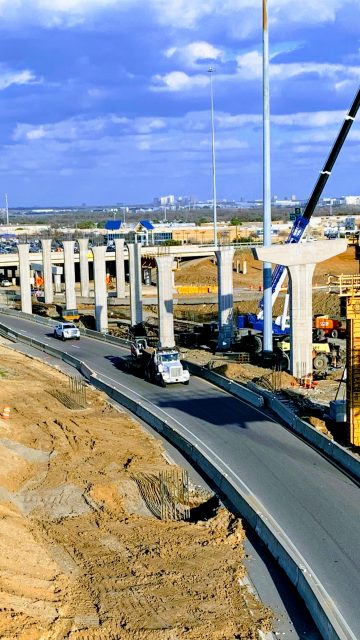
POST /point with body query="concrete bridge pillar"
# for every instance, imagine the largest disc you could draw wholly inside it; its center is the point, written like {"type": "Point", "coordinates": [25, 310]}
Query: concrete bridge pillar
{"type": "Point", "coordinates": [300, 260]}
{"type": "Point", "coordinates": [57, 282]}
{"type": "Point", "coordinates": [47, 270]}
{"type": "Point", "coordinates": [24, 269]}
{"type": "Point", "coordinates": [224, 261]}
{"type": "Point", "coordinates": [69, 267]}
{"type": "Point", "coordinates": [120, 267]}
{"type": "Point", "coordinates": [136, 314]}
{"type": "Point", "coordinates": [84, 266]}
{"type": "Point", "coordinates": [101, 310]}
{"type": "Point", "coordinates": [164, 266]}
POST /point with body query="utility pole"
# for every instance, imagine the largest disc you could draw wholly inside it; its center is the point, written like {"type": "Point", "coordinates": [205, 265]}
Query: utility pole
{"type": "Point", "coordinates": [211, 71]}
{"type": "Point", "coordinates": [7, 209]}
{"type": "Point", "coordinates": [267, 272]}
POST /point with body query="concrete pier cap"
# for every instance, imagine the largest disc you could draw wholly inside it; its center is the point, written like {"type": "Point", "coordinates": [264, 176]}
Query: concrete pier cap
{"type": "Point", "coordinates": [300, 253]}
{"type": "Point", "coordinates": [300, 260]}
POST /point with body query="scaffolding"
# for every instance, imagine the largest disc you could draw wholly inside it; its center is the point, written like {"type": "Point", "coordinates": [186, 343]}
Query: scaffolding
{"type": "Point", "coordinates": [349, 288]}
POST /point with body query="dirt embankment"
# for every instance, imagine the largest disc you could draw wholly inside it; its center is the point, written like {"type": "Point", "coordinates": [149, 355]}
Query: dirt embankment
{"type": "Point", "coordinates": [82, 556]}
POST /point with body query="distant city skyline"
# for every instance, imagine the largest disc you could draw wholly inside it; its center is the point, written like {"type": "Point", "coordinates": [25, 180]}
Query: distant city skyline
{"type": "Point", "coordinates": [183, 203]}
{"type": "Point", "coordinates": [109, 100]}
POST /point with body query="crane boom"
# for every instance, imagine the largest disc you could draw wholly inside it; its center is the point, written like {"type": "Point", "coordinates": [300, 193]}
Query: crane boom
{"type": "Point", "coordinates": [301, 222]}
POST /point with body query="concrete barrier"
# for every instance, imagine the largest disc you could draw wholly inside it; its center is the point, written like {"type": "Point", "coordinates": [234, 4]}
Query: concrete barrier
{"type": "Point", "coordinates": [333, 450]}
{"type": "Point", "coordinates": [104, 337]}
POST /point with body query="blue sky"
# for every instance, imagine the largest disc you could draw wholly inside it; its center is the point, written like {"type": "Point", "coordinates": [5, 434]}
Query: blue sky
{"type": "Point", "coordinates": [106, 101]}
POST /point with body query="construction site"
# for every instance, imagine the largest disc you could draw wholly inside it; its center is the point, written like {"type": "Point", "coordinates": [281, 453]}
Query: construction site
{"type": "Point", "coordinates": [92, 546]}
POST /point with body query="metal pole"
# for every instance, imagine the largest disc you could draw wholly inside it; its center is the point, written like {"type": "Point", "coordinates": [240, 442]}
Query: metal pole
{"type": "Point", "coordinates": [267, 337]}
{"type": "Point", "coordinates": [211, 71]}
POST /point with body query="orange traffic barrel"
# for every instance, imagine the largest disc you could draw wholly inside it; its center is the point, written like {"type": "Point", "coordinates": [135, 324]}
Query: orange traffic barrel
{"type": "Point", "coordinates": [6, 413]}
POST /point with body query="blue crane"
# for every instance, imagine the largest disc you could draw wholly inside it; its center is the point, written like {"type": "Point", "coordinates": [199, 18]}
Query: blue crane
{"type": "Point", "coordinates": [301, 222]}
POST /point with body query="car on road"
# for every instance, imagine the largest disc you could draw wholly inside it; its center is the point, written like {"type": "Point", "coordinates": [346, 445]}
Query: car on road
{"type": "Point", "coordinates": [5, 283]}
{"type": "Point", "coordinates": [67, 331]}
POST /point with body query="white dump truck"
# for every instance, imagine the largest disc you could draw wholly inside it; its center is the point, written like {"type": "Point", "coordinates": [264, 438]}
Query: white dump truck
{"type": "Point", "coordinates": [155, 364]}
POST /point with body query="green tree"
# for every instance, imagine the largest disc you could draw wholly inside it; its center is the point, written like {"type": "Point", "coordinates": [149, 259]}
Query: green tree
{"type": "Point", "coordinates": [86, 224]}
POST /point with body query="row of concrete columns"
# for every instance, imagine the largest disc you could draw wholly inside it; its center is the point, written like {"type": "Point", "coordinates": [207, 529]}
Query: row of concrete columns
{"type": "Point", "coordinates": [300, 262]}
{"type": "Point", "coordinates": [69, 265]}
{"type": "Point", "coordinates": [99, 277]}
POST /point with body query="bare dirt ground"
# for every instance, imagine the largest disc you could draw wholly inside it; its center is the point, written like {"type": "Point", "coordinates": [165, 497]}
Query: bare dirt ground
{"type": "Point", "coordinates": [82, 555]}
{"type": "Point", "coordinates": [204, 271]}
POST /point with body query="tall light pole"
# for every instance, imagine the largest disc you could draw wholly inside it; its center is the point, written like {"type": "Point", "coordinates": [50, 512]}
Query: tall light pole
{"type": "Point", "coordinates": [7, 209]}
{"type": "Point", "coordinates": [267, 333]}
{"type": "Point", "coordinates": [211, 71]}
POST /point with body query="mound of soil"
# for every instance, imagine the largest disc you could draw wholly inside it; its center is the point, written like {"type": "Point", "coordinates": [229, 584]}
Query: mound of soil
{"type": "Point", "coordinates": [82, 556]}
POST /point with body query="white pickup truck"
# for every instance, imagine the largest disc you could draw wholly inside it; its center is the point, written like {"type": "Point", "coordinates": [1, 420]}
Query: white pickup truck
{"type": "Point", "coordinates": [66, 331]}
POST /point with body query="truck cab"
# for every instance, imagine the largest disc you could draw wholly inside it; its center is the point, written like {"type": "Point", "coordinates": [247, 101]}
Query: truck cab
{"type": "Point", "coordinates": [170, 367]}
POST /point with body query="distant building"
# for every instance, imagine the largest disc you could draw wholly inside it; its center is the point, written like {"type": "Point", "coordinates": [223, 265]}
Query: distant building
{"type": "Point", "coordinates": [164, 201]}
{"type": "Point", "coordinates": [352, 200]}
{"type": "Point", "coordinates": [287, 203]}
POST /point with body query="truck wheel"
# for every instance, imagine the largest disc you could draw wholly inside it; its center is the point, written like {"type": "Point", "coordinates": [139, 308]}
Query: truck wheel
{"type": "Point", "coordinates": [186, 381]}
{"type": "Point", "coordinates": [258, 345]}
{"type": "Point", "coordinates": [63, 338]}
{"type": "Point", "coordinates": [320, 362]}
{"type": "Point", "coordinates": [284, 362]}
{"type": "Point", "coordinates": [162, 383]}
{"type": "Point", "coordinates": [334, 333]}
{"type": "Point", "coordinates": [320, 333]}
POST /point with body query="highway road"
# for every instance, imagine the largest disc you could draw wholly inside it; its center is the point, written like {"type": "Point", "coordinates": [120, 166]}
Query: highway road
{"type": "Point", "coordinates": [314, 503]}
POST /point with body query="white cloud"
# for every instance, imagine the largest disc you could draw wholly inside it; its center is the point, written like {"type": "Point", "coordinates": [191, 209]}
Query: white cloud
{"type": "Point", "coordinates": [308, 119]}
{"type": "Point", "coordinates": [9, 77]}
{"type": "Point", "coordinates": [238, 14]}
{"type": "Point", "coordinates": [51, 13]}
{"type": "Point", "coordinates": [250, 68]}
{"type": "Point", "coordinates": [195, 53]}
{"type": "Point", "coordinates": [71, 129]}
{"type": "Point", "coordinates": [147, 125]}
{"type": "Point", "coordinates": [178, 81]}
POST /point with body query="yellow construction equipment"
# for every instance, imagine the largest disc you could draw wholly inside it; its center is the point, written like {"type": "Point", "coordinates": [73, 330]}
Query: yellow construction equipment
{"type": "Point", "coordinates": [349, 288]}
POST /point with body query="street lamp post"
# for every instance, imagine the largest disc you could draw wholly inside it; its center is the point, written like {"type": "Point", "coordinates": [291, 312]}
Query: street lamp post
{"type": "Point", "coordinates": [211, 71]}
{"type": "Point", "coordinates": [7, 209]}
{"type": "Point", "coordinates": [267, 295]}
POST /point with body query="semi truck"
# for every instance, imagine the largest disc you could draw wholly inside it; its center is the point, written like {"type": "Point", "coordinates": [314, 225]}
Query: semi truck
{"type": "Point", "coordinates": [156, 364]}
